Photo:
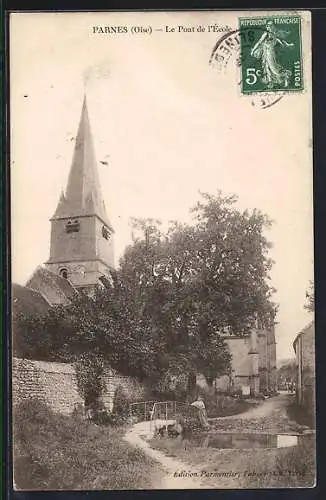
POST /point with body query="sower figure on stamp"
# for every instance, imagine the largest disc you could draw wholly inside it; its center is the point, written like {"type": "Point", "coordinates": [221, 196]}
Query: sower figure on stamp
{"type": "Point", "coordinates": [264, 49]}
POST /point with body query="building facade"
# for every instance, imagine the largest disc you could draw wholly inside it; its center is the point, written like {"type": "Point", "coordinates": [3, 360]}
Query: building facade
{"type": "Point", "coordinates": [253, 363]}
{"type": "Point", "coordinates": [304, 348]}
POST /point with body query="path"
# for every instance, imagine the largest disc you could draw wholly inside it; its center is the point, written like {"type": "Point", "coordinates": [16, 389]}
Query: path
{"type": "Point", "coordinates": [137, 436]}
{"type": "Point", "coordinates": [264, 409]}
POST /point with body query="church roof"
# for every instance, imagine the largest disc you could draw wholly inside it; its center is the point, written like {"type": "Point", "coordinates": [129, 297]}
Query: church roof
{"type": "Point", "coordinates": [25, 300]}
{"type": "Point", "coordinates": [54, 288]}
{"type": "Point", "coordinates": [83, 195]}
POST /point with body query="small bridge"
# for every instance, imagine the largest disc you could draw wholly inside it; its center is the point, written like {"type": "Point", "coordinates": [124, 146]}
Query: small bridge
{"type": "Point", "coordinates": [161, 413]}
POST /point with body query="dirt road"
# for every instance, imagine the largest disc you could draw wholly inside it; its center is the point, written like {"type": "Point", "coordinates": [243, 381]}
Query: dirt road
{"type": "Point", "coordinates": [264, 409]}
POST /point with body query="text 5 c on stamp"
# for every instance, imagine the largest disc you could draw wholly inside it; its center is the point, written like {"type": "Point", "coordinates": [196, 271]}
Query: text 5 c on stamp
{"type": "Point", "coordinates": [271, 57]}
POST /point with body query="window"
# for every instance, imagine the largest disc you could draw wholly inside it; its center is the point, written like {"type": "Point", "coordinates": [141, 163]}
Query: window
{"type": "Point", "coordinates": [64, 273]}
{"type": "Point", "coordinates": [72, 226]}
{"type": "Point", "coordinates": [105, 232]}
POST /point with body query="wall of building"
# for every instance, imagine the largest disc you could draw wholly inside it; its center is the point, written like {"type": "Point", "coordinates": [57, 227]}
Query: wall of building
{"type": "Point", "coordinates": [104, 247]}
{"type": "Point", "coordinates": [56, 385]}
{"type": "Point", "coordinates": [75, 245]}
{"type": "Point", "coordinates": [253, 363]}
{"type": "Point", "coordinates": [305, 361]}
{"type": "Point", "coordinates": [244, 374]}
{"type": "Point", "coordinates": [267, 360]}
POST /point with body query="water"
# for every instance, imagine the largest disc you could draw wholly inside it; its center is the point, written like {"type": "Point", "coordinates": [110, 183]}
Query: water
{"type": "Point", "coordinates": [246, 441]}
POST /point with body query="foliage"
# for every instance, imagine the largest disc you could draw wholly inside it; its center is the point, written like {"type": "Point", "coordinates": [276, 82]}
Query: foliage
{"type": "Point", "coordinates": [89, 370]}
{"type": "Point", "coordinates": [310, 295]}
{"type": "Point", "coordinates": [121, 403]}
{"type": "Point", "coordinates": [197, 280]}
{"type": "Point", "coordinates": [55, 452]}
{"type": "Point", "coordinates": [190, 423]}
{"type": "Point", "coordinates": [42, 336]}
{"type": "Point", "coordinates": [287, 373]}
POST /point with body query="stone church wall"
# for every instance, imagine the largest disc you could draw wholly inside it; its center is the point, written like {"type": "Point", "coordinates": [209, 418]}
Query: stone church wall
{"type": "Point", "coordinates": [56, 385]}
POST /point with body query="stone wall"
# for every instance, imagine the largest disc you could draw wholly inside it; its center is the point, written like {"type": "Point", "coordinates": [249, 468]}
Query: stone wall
{"type": "Point", "coordinates": [130, 386]}
{"type": "Point", "coordinates": [53, 383]}
{"type": "Point", "coordinates": [56, 385]}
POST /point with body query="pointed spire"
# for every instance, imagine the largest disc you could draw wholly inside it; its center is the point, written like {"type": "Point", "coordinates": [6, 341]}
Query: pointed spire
{"type": "Point", "coordinates": [83, 194]}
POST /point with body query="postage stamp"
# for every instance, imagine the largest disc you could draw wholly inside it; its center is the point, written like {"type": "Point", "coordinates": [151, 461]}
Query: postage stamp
{"type": "Point", "coordinates": [226, 54]}
{"type": "Point", "coordinates": [270, 54]}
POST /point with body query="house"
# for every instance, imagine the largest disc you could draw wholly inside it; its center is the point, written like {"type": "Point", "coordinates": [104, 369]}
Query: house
{"type": "Point", "coordinates": [304, 348]}
{"type": "Point", "coordinates": [253, 364]}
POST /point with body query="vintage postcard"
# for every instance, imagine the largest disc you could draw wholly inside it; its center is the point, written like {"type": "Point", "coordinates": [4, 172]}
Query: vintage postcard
{"type": "Point", "coordinates": [162, 250]}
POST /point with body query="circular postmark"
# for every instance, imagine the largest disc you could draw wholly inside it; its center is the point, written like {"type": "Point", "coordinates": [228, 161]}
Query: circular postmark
{"type": "Point", "coordinates": [226, 54]}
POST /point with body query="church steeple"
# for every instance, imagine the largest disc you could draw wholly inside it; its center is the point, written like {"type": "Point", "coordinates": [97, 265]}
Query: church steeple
{"type": "Point", "coordinates": [81, 236]}
{"type": "Point", "coordinates": [83, 194]}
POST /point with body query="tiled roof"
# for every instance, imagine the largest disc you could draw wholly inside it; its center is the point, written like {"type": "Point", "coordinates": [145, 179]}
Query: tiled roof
{"type": "Point", "coordinates": [57, 290]}
{"type": "Point", "coordinates": [26, 300]}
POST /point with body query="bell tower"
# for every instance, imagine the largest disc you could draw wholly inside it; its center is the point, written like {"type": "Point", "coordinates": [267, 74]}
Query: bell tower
{"type": "Point", "coordinates": [82, 247]}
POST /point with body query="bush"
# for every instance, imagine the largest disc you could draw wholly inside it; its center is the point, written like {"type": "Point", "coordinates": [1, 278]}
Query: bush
{"type": "Point", "coordinates": [89, 370]}
{"type": "Point", "coordinates": [120, 412]}
{"type": "Point", "coordinates": [55, 452]}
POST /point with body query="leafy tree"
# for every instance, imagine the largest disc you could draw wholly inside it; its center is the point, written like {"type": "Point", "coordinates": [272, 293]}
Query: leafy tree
{"type": "Point", "coordinates": [287, 372]}
{"type": "Point", "coordinates": [199, 279]}
{"type": "Point", "coordinates": [44, 336]}
{"type": "Point", "coordinates": [310, 295]}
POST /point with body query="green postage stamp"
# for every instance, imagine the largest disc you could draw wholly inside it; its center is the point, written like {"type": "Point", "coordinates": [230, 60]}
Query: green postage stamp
{"type": "Point", "coordinates": [271, 54]}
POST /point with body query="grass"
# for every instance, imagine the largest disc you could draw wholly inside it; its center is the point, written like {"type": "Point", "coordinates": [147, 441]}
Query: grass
{"type": "Point", "coordinates": [294, 467]}
{"type": "Point", "coordinates": [54, 452]}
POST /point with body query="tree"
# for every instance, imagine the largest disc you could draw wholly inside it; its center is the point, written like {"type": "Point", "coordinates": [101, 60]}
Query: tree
{"type": "Point", "coordinates": [43, 336]}
{"type": "Point", "coordinates": [199, 279]}
{"type": "Point", "coordinates": [287, 373]}
{"type": "Point", "coordinates": [310, 295]}
{"type": "Point", "coordinates": [220, 262]}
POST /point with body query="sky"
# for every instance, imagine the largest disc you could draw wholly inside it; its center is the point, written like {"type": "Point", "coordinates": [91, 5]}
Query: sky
{"type": "Point", "coordinates": [169, 125]}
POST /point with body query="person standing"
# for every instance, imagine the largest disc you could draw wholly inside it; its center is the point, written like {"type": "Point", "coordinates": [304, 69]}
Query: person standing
{"type": "Point", "coordinates": [199, 403]}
